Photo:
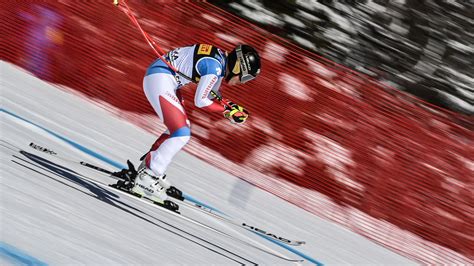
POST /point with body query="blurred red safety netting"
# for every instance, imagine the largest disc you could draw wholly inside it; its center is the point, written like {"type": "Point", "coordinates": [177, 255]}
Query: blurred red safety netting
{"type": "Point", "coordinates": [327, 139]}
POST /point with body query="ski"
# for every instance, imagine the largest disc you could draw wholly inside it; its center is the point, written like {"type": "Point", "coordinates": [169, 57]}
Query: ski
{"type": "Point", "coordinates": [249, 242]}
{"type": "Point", "coordinates": [188, 203]}
{"type": "Point", "coordinates": [243, 225]}
{"type": "Point", "coordinates": [53, 153]}
{"type": "Point", "coordinates": [196, 222]}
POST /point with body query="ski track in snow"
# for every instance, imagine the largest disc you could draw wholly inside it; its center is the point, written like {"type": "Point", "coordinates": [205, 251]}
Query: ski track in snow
{"type": "Point", "coordinates": [51, 214]}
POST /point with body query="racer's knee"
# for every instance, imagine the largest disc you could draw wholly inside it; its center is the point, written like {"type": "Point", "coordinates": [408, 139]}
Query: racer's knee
{"type": "Point", "coordinates": [182, 134]}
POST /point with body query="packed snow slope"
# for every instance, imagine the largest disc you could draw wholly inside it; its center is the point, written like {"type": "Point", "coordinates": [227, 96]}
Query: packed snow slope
{"type": "Point", "coordinates": [55, 211]}
{"type": "Point", "coordinates": [332, 141]}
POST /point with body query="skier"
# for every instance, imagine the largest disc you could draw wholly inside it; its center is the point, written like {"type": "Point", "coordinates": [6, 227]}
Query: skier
{"type": "Point", "coordinates": [207, 66]}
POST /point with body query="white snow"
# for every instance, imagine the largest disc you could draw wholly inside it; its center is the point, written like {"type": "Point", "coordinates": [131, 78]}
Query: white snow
{"type": "Point", "coordinates": [62, 218]}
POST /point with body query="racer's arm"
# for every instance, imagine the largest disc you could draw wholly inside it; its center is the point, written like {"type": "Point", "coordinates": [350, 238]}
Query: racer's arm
{"type": "Point", "coordinates": [210, 71]}
{"type": "Point", "coordinates": [201, 98]}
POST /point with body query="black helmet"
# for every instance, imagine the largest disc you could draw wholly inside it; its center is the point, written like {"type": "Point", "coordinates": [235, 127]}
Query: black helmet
{"type": "Point", "coordinates": [249, 63]}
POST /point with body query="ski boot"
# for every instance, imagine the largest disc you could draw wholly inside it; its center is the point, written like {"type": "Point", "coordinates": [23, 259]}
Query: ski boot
{"type": "Point", "coordinates": [128, 177]}
{"type": "Point", "coordinates": [152, 187]}
{"type": "Point", "coordinates": [171, 191]}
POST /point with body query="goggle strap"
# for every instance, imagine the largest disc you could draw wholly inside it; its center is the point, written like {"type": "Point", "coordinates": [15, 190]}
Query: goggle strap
{"type": "Point", "coordinates": [245, 76]}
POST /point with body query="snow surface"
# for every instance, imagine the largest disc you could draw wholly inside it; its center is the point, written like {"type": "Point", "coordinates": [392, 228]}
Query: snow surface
{"type": "Point", "coordinates": [55, 211]}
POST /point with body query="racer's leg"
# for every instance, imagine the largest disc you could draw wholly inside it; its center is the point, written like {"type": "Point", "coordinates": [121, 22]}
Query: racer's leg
{"type": "Point", "coordinates": [160, 91]}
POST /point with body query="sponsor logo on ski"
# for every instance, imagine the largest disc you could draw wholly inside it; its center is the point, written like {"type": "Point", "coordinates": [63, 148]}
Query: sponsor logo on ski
{"type": "Point", "coordinates": [267, 234]}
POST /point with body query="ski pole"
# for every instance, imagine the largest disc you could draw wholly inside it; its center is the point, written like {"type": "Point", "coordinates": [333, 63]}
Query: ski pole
{"type": "Point", "coordinates": [126, 9]}
{"type": "Point", "coordinates": [220, 99]}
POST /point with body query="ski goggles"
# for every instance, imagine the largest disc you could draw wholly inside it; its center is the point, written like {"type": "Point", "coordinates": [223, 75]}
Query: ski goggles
{"type": "Point", "coordinates": [245, 76]}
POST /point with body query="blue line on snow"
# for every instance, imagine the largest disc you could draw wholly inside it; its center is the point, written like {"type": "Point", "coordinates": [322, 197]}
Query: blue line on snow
{"type": "Point", "coordinates": [72, 143]}
{"type": "Point", "coordinates": [16, 255]}
{"type": "Point", "coordinates": [118, 165]}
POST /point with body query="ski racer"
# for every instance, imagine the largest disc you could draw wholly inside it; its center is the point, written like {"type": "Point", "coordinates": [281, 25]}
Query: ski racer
{"type": "Point", "coordinates": [207, 66]}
